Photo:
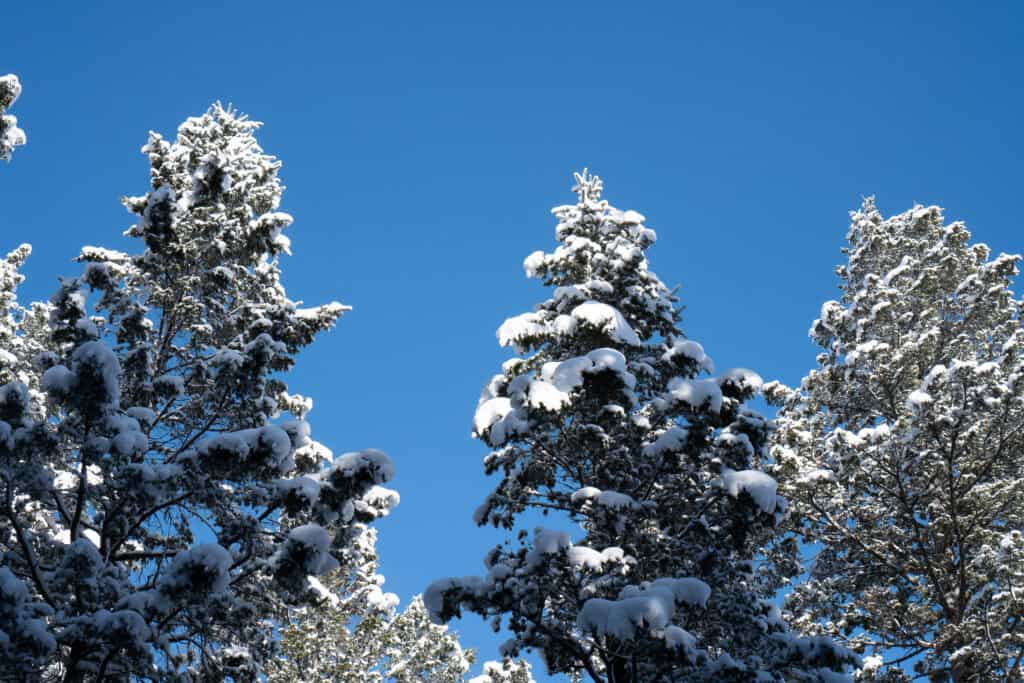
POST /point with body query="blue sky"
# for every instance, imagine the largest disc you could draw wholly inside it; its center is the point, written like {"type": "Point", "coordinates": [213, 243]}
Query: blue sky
{"type": "Point", "coordinates": [424, 145]}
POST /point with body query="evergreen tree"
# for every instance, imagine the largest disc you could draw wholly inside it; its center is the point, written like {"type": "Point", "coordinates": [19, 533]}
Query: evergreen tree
{"type": "Point", "coordinates": [10, 135]}
{"type": "Point", "coordinates": [611, 417]}
{"type": "Point", "coordinates": [903, 454]}
{"type": "Point", "coordinates": [159, 511]}
{"type": "Point", "coordinates": [357, 635]}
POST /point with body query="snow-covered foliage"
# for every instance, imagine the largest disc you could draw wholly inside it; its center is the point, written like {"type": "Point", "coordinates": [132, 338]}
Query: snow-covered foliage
{"type": "Point", "coordinates": [606, 418]}
{"type": "Point", "coordinates": [356, 634]}
{"type": "Point", "coordinates": [24, 332]}
{"type": "Point", "coordinates": [507, 671]}
{"type": "Point", "coordinates": [903, 454]}
{"type": "Point", "coordinates": [161, 509]}
{"type": "Point", "coordinates": [10, 135]}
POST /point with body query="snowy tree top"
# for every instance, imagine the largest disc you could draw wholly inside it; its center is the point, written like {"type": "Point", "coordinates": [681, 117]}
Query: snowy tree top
{"type": "Point", "coordinates": [901, 452]}
{"type": "Point", "coordinates": [165, 499]}
{"type": "Point", "coordinates": [609, 419]}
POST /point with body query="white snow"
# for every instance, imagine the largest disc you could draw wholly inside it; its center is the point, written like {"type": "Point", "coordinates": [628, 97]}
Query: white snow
{"type": "Point", "coordinates": [351, 463]}
{"type": "Point", "coordinates": [58, 380]}
{"type": "Point", "coordinates": [936, 373]}
{"type": "Point", "coordinates": [585, 493]}
{"type": "Point", "coordinates": [543, 395]}
{"type": "Point", "coordinates": [501, 417]}
{"type": "Point", "coordinates": [648, 607]}
{"type": "Point", "coordinates": [814, 476]}
{"type": "Point", "coordinates": [736, 440]}
{"type": "Point", "coordinates": [692, 350]}
{"type": "Point", "coordinates": [867, 348]}
{"type": "Point", "coordinates": [614, 499]}
{"type": "Point", "coordinates": [489, 412]}
{"type": "Point", "coordinates": [564, 325]}
{"type": "Point", "coordinates": [503, 672]}
{"type": "Point", "coordinates": [568, 374]}
{"type": "Point", "coordinates": [696, 392]}
{"type": "Point", "coordinates": [12, 86]}
{"type": "Point", "coordinates": [743, 379]}
{"type": "Point", "coordinates": [532, 263]}
{"type": "Point", "coordinates": [13, 136]}
{"type": "Point", "coordinates": [94, 357]}
{"type": "Point", "coordinates": [305, 488]}
{"type": "Point", "coordinates": [583, 557]}
{"type": "Point", "coordinates": [208, 560]}
{"type": "Point", "coordinates": [498, 572]}
{"type": "Point", "coordinates": [227, 358]}
{"type": "Point", "coordinates": [381, 498]}
{"type": "Point", "coordinates": [609, 359]}
{"type": "Point", "coordinates": [270, 442]}
{"type": "Point", "coordinates": [608, 320]}
{"type": "Point", "coordinates": [128, 443]}
{"type": "Point", "coordinates": [684, 590]}
{"type": "Point", "coordinates": [874, 434]}
{"type": "Point", "coordinates": [10, 89]}
{"type": "Point", "coordinates": [144, 415]}
{"type": "Point", "coordinates": [680, 639]}
{"type": "Point", "coordinates": [871, 664]}
{"type": "Point", "coordinates": [99, 358]}
{"type": "Point", "coordinates": [904, 265]}
{"type": "Point", "coordinates": [265, 345]}
{"type": "Point", "coordinates": [321, 590]}
{"type": "Point", "coordinates": [987, 368]}
{"type": "Point", "coordinates": [433, 596]}
{"type": "Point", "coordinates": [546, 542]}
{"type": "Point", "coordinates": [93, 253]}
{"type": "Point", "coordinates": [670, 441]}
{"type": "Point", "coordinates": [88, 328]}
{"type": "Point", "coordinates": [123, 623]}
{"type": "Point", "coordinates": [520, 327]}
{"type": "Point", "coordinates": [633, 217]}
{"type": "Point", "coordinates": [761, 487]}
{"type": "Point", "coordinates": [918, 399]}
{"type": "Point", "coordinates": [174, 384]}
{"type": "Point", "coordinates": [5, 435]}
{"type": "Point", "coordinates": [379, 600]}
{"type": "Point", "coordinates": [317, 542]}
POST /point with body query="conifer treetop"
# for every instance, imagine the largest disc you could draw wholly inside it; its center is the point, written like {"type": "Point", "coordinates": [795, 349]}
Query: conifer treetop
{"type": "Point", "coordinates": [611, 421]}
{"type": "Point", "coordinates": [902, 452]}
{"type": "Point", "coordinates": [167, 500]}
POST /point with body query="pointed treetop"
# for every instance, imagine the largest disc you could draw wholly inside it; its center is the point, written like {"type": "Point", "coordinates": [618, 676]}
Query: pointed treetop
{"type": "Point", "coordinates": [588, 187]}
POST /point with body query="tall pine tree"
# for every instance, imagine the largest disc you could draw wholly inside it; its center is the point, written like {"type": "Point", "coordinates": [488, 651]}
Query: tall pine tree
{"type": "Point", "coordinates": [160, 510]}
{"type": "Point", "coordinates": [903, 454]}
{"type": "Point", "coordinates": [612, 418]}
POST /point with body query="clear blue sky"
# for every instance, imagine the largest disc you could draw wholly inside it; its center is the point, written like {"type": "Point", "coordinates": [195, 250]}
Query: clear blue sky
{"type": "Point", "coordinates": [423, 147]}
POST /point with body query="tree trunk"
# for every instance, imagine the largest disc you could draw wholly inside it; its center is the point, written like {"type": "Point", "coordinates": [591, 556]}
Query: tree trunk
{"type": "Point", "coordinates": [619, 671]}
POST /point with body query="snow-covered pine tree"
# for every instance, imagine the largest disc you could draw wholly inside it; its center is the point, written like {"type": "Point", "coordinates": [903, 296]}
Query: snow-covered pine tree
{"type": "Point", "coordinates": [903, 454]}
{"type": "Point", "coordinates": [10, 135]}
{"type": "Point", "coordinates": [160, 516]}
{"type": "Point", "coordinates": [357, 635]}
{"type": "Point", "coordinates": [606, 418]}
